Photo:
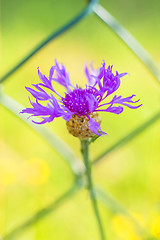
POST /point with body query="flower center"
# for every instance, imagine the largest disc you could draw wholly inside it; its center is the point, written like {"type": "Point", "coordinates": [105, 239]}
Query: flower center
{"type": "Point", "coordinates": [81, 101]}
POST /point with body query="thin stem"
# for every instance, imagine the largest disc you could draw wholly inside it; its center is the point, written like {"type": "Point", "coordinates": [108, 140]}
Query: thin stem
{"type": "Point", "coordinates": [84, 150]}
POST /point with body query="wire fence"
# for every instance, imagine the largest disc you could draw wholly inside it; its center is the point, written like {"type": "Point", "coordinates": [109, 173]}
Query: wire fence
{"type": "Point", "coordinates": [57, 144]}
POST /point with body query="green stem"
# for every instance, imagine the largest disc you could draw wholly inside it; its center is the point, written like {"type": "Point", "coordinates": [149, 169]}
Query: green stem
{"type": "Point", "coordinates": [84, 150]}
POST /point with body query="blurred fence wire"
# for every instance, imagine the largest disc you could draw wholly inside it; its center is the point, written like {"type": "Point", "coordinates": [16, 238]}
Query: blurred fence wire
{"type": "Point", "coordinates": [75, 164]}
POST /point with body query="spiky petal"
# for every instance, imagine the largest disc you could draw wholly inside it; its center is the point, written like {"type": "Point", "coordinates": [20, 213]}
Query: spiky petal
{"type": "Point", "coordinates": [78, 102]}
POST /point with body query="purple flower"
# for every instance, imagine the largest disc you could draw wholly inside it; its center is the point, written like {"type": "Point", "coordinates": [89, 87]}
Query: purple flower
{"type": "Point", "coordinates": [81, 102]}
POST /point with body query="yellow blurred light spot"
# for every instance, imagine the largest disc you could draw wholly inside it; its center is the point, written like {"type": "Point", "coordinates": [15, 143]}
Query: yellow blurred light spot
{"type": "Point", "coordinates": [139, 218]}
{"type": "Point", "coordinates": [124, 228]}
{"type": "Point", "coordinates": [35, 171]}
{"type": "Point", "coordinates": [8, 173]}
{"type": "Point", "coordinates": [156, 227]}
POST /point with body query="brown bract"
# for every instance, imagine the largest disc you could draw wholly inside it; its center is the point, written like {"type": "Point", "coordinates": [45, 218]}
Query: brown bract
{"type": "Point", "coordinates": [79, 126]}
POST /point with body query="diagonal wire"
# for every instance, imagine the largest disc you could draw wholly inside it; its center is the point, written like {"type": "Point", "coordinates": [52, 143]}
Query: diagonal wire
{"type": "Point", "coordinates": [39, 215]}
{"type": "Point", "coordinates": [73, 161]}
{"type": "Point", "coordinates": [143, 55]}
{"type": "Point", "coordinates": [75, 20]}
{"type": "Point", "coordinates": [51, 138]}
{"type": "Point", "coordinates": [132, 44]}
{"type": "Point", "coordinates": [128, 39]}
{"type": "Point", "coordinates": [128, 137]}
{"type": "Point", "coordinates": [108, 19]}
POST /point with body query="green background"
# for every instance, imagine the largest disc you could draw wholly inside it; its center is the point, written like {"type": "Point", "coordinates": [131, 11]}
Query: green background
{"type": "Point", "coordinates": [32, 174]}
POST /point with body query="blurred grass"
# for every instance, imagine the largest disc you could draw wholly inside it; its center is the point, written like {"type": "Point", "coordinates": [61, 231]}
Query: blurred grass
{"type": "Point", "coordinates": [130, 173]}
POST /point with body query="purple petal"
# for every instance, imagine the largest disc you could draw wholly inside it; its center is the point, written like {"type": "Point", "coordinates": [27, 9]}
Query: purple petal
{"type": "Point", "coordinates": [47, 113]}
{"type": "Point", "coordinates": [51, 73]}
{"type": "Point", "coordinates": [116, 110]}
{"type": "Point", "coordinates": [122, 101]}
{"type": "Point", "coordinates": [46, 82]}
{"type": "Point", "coordinates": [42, 77]}
{"type": "Point", "coordinates": [122, 75]}
{"type": "Point", "coordinates": [67, 116]}
{"type": "Point", "coordinates": [95, 127]}
{"type": "Point", "coordinates": [107, 81]}
{"type": "Point", "coordinates": [62, 76]}
{"type": "Point", "coordinates": [102, 70]}
{"type": "Point", "coordinates": [41, 95]}
{"type": "Point", "coordinates": [42, 122]}
{"type": "Point", "coordinates": [132, 107]}
{"type": "Point", "coordinates": [91, 77]}
{"type": "Point", "coordinates": [45, 120]}
{"type": "Point", "coordinates": [126, 101]}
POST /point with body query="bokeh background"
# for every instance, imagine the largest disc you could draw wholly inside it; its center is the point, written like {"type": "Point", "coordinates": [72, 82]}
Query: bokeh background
{"type": "Point", "coordinates": [32, 174]}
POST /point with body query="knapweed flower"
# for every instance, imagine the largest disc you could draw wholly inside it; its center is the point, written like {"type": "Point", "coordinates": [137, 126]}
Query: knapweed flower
{"type": "Point", "coordinates": [79, 106]}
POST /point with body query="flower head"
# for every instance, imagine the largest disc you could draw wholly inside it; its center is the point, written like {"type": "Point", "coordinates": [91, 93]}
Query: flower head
{"type": "Point", "coordinates": [79, 106]}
